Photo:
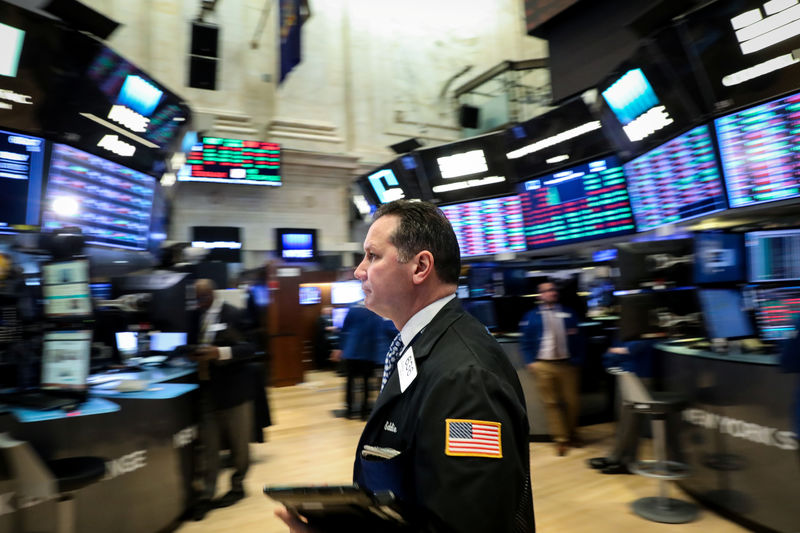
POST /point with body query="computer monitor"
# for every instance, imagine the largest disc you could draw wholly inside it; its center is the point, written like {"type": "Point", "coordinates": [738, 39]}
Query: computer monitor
{"type": "Point", "coordinates": [65, 360]}
{"type": "Point", "coordinates": [773, 255]}
{"type": "Point", "coordinates": [296, 244]}
{"type": "Point", "coordinates": [777, 310]}
{"type": "Point", "coordinates": [21, 163]}
{"type": "Point", "coordinates": [127, 344]}
{"type": "Point", "coordinates": [486, 227]}
{"type": "Point", "coordinates": [484, 311]}
{"type": "Point", "coordinates": [65, 289]}
{"type": "Point", "coordinates": [657, 314]}
{"type": "Point", "coordinates": [581, 203]}
{"type": "Point", "coordinates": [648, 264]}
{"type": "Point", "coordinates": [337, 316]}
{"type": "Point", "coordinates": [719, 258]}
{"type": "Point", "coordinates": [166, 341]}
{"type": "Point", "coordinates": [310, 295]}
{"type": "Point", "coordinates": [164, 297]}
{"type": "Point", "coordinates": [346, 292]}
{"type": "Point", "coordinates": [759, 148]}
{"type": "Point", "coordinates": [724, 315]}
{"type": "Point", "coordinates": [676, 181]}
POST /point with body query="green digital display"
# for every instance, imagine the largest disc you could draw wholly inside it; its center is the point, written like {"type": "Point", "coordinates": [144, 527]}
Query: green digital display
{"type": "Point", "coordinates": [233, 161]}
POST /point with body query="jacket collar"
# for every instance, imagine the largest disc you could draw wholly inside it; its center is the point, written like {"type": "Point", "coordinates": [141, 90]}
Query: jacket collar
{"type": "Point", "coordinates": [422, 345]}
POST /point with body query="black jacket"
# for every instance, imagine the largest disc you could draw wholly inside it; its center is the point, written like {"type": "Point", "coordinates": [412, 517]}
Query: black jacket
{"type": "Point", "coordinates": [229, 383]}
{"type": "Point", "coordinates": [462, 374]}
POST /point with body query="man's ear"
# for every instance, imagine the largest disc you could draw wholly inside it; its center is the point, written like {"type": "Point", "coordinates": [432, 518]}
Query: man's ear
{"type": "Point", "coordinates": [423, 267]}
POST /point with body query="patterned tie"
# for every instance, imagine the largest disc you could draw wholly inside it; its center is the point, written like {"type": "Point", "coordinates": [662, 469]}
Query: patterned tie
{"type": "Point", "coordinates": [395, 349]}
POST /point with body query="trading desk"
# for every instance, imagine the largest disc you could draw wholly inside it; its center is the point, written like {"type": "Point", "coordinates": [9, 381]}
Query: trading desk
{"type": "Point", "coordinates": [143, 435]}
{"type": "Point", "coordinates": [738, 433]}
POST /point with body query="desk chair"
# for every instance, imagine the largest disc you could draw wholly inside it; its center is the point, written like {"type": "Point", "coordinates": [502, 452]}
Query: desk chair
{"type": "Point", "coordinates": [660, 508]}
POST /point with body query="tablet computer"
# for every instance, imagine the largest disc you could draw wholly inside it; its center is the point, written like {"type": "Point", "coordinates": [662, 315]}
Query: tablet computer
{"type": "Point", "coordinates": [342, 507]}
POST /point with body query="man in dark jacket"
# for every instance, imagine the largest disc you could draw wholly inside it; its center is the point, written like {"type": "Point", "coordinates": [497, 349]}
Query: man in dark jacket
{"type": "Point", "coordinates": [226, 406]}
{"type": "Point", "coordinates": [451, 411]}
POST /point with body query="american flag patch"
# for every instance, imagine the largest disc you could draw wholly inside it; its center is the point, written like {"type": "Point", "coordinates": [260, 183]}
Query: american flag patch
{"type": "Point", "coordinates": [472, 438]}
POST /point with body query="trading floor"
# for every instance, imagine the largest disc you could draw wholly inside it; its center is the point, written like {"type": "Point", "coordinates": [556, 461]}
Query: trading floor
{"type": "Point", "coordinates": [308, 444]}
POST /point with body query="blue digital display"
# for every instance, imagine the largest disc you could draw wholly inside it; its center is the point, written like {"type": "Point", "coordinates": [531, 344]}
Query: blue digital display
{"type": "Point", "coordinates": [385, 185]}
{"type": "Point", "coordinates": [630, 96]}
{"type": "Point", "coordinates": [297, 244]}
{"type": "Point", "coordinates": [12, 39]}
{"type": "Point", "coordinates": [139, 95]}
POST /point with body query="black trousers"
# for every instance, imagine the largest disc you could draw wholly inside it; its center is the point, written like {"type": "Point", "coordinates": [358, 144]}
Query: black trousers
{"type": "Point", "coordinates": [358, 369]}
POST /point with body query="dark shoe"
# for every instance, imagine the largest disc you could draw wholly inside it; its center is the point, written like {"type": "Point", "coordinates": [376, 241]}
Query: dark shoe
{"type": "Point", "coordinates": [230, 497]}
{"type": "Point", "coordinates": [200, 510]}
{"type": "Point", "coordinates": [598, 462]}
{"type": "Point", "coordinates": [615, 468]}
{"type": "Point", "coordinates": [561, 449]}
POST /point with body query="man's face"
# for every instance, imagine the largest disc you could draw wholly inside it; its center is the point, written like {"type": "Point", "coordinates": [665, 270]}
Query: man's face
{"type": "Point", "coordinates": [385, 280]}
{"type": "Point", "coordinates": [548, 293]}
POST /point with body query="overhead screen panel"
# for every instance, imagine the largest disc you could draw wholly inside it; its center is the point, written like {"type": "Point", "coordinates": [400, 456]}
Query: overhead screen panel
{"type": "Point", "coordinates": [110, 203]}
{"type": "Point", "coordinates": [677, 181]}
{"type": "Point", "coordinates": [21, 161]}
{"type": "Point", "coordinates": [487, 227]}
{"type": "Point", "coordinates": [759, 148]}
{"type": "Point", "coordinates": [585, 202]}
{"type": "Point", "coordinates": [233, 161]}
{"type": "Point", "coordinates": [554, 140]}
{"type": "Point", "coordinates": [651, 97]}
{"type": "Point", "coordinates": [465, 170]}
{"type": "Point", "coordinates": [746, 49]}
{"type": "Point", "coordinates": [394, 180]}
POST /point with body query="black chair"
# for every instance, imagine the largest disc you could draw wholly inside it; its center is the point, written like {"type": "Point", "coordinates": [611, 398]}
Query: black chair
{"type": "Point", "coordinates": [659, 508]}
{"type": "Point", "coordinates": [72, 474]}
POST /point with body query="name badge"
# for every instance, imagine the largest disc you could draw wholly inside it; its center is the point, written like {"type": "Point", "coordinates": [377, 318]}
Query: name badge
{"type": "Point", "coordinates": [407, 369]}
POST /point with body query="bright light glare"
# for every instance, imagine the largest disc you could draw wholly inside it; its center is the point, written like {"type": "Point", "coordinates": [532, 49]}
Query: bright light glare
{"type": "Point", "coordinates": [646, 124]}
{"type": "Point", "coordinates": [773, 37]}
{"type": "Point", "coordinates": [555, 139]}
{"type": "Point", "coordinates": [66, 206]}
{"type": "Point", "coordinates": [463, 164]}
{"type": "Point", "coordinates": [761, 69]}
{"type": "Point", "coordinates": [773, 6]}
{"type": "Point", "coordinates": [468, 183]}
{"type": "Point", "coordinates": [557, 159]}
{"type": "Point", "coordinates": [745, 19]}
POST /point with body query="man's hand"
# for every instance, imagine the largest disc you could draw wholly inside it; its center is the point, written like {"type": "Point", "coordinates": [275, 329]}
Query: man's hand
{"type": "Point", "coordinates": [205, 353]}
{"type": "Point", "coordinates": [336, 355]}
{"type": "Point", "coordinates": [296, 525]}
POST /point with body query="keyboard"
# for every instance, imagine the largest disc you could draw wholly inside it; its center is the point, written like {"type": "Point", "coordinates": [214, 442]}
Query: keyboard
{"type": "Point", "coordinates": [39, 401]}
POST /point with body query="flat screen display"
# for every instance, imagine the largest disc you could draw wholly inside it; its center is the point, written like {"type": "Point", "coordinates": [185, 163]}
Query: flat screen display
{"type": "Point", "coordinates": [65, 288]}
{"type": "Point", "coordinates": [724, 314]}
{"type": "Point", "coordinates": [719, 258]}
{"type": "Point", "coordinates": [310, 295]}
{"type": "Point", "coordinates": [487, 227]}
{"type": "Point", "coordinates": [397, 179]}
{"type": "Point", "coordinates": [585, 202]}
{"type": "Point", "coordinates": [110, 203]}
{"type": "Point", "coordinates": [745, 49]}
{"type": "Point", "coordinates": [466, 170]}
{"type": "Point", "coordinates": [166, 341]}
{"type": "Point", "coordinates": [554, 140]}
{"type": "Point", "coordinates": [338, 315]}
{"type": "Point", "coordinates": [759, 148]}
{"type": "Point", "coordinates": [777, 310]}
{"type": "Point", "coordinates": [21, 160]}
{"type": "Point", "coordinates": [677, 181]}
{"type": "Point", "coordinates": [65, 360]}
{"type": "Point", "coordinates": [346, 292]}
{"type": "Point", "coordinates": [224, 243]}
{"type": "Point", "coordinates": [233, 161]}
{"type": "Point", "coordinates": [773, 255]}
{"type": "Point", "coordinates": [127, 343]}
{"type": "Point", "coordinates": [296, 244]}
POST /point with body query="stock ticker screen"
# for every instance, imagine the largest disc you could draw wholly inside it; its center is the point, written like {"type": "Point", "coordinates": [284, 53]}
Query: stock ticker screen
{"type": "Point", "coordinates": [777, 310]}
{"type": "Point", "coordinates": [487, 227]}
{"type": "Point", "coordinates": [233, 161]}
{"type": "Point", "coordinates": [677, 181]}
{"type": "Point", "coordinates": [110, 203]}
{"type": "Point", "coordinates": [585, 202]}
{"type": "Point", "coordinates": [760, 148]}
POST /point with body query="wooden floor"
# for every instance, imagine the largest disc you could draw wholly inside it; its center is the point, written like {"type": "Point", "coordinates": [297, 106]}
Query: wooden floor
{"type": "Point", "coordinates": [308, 444]}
